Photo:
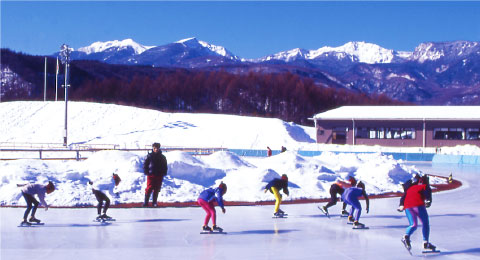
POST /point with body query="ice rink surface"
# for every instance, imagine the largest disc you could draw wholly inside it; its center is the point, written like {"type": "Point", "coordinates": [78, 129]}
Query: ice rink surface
{"type": "Point", "coordinates": [173, 233]}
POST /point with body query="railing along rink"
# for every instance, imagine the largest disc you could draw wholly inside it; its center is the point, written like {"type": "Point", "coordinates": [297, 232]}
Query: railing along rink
{"type": "Point", "coordinates": [56, 151]}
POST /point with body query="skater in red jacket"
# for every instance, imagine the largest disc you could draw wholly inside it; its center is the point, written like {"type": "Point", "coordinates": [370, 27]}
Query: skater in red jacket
{"type": "Point", "coordinates": [417, 198]}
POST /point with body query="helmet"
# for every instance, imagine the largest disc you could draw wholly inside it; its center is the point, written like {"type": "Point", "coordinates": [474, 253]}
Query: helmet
{"type": "Point", "coordinates": [352, 180]}
{"type": "Point", "coordinates": [117, 179]}
{"type": "Point", "coordinates": [423, 180]}
{"type": "Point", "coordinates": [223, 186]}
{"type": "Point", "coordinates": [50, 187]}
{"type": "Point", "coordinates": [416, 178]}
{"type": "Point", "coordinates": [285, 177]}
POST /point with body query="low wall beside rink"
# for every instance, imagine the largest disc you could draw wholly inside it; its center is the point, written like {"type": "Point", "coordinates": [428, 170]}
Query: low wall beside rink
{"type": "Point", "coordinates": [409, 157]}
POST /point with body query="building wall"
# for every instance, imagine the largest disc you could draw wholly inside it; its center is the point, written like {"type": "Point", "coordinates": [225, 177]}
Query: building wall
{"type": "Point", "coordinates": [431, 125]}
{"type": "Point", "coordinates": [328, 132]}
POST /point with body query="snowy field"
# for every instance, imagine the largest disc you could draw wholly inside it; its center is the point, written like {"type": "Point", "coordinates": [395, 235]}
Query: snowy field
{"type": "Point", "coordinates": [173, 233]}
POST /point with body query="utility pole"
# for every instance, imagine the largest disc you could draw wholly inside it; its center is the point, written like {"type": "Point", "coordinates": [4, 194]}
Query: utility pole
{"type": "Point", "coordinates": [65, 56]}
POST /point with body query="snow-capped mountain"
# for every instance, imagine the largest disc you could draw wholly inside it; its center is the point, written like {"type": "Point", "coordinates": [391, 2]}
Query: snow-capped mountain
{"type": "Point", "coordinates": [114, 46]}
{"type": "Point", "coordinates": [431, 51]}
{"type": "Point", "coordinates": [434, 73]}
{"type": "Point", "coordinates": [194, 43]}
{"type": "Point", "coordinates": [188, 53]}
{"type": "Point", "coordinates": [359, 52]}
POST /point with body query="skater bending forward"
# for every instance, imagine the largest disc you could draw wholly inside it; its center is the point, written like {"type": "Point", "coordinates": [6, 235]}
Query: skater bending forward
{"type": "Point", "coordinates": [274, 187]}
{"type": "Point", "coordinates": [350, 196]}
{"type": "Point", "coordinates": [337, 188]}
{"type": "Point", "coordinates": [206, 201]}
{"type": "Point", "coordinates": [417, 198]}
{"type": "Point", "coordinates": [28, 192]}
{"type": "Point", "coordinates": [99, 188]}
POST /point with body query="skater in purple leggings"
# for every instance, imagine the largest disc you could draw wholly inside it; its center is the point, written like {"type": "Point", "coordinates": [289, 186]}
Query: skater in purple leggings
{"type": "Point", "coordinates": [350, 196]}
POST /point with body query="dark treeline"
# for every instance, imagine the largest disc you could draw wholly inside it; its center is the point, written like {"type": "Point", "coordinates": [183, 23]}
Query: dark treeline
{"type": "Point", "coordinates": [286, 96]}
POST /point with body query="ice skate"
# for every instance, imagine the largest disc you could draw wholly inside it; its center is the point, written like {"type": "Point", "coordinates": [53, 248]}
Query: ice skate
{"type": "Point", "coordinates": [358, 225]}
{"type": "Point", "coordinates": [206, 230]}
{"type": "Point", "coordinates": [105, 217]}
{"type": "Point", "coordinates": [279, 214]}
{"type": "Point", "coordinates": [217, 228]}
{"type": "Point", "coordinates": [406, 243]}
{"type": "Point", "coordinates": [344, 213]}
{"type": "Point", "coordinates": [350, 220]}
{"type": "Point", "coordinates": [429, 248]}
{"type": "Point", "coordinates": [34, 220]}
{"type": "Point", "coordinates": [25, 223]}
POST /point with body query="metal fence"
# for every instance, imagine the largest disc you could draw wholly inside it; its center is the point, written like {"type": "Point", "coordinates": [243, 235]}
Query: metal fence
{"type": "Point", "coordinates": [56, 151]}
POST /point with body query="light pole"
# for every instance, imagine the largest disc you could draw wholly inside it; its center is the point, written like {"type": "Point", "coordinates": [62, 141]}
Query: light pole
{"type": "Point", "coordinates": [65, 57]}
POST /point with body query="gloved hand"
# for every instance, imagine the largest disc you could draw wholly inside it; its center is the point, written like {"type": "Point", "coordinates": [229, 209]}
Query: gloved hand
{"type": "Point", "coordinates": [428, 203]}
{"type": "Point", "coordinates": [368, 209]}
{"type": "Point", "coordinates": [224, 210]}
{"type": "Point", "coordinates": [400, 209]}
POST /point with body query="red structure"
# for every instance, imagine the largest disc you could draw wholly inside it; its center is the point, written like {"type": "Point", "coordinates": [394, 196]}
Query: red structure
{"type": "Point", "coordinates": [410, 126]}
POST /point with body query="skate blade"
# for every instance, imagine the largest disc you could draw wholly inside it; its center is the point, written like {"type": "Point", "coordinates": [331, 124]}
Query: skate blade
{"type": "Point", "coordinates": [324, 212]}
{"type": "Point", "coordinates": [213, 232]}
{"type": "Point", "coordinates": [360, 228]}
{"type": "Point", "coordinates": [430, 251]}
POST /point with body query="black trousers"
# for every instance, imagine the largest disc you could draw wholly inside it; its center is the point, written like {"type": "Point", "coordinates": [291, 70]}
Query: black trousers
{"type": "Point", "coordinates": [334, 190]}
{"type": "Point", "coordinates": [32, 205]}
{"type": "Point", "coordinates": [101, 197]}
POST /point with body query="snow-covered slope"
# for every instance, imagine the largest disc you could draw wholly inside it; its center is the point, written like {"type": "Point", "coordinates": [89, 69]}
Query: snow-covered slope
{"type": "Point", "coordinates": [219, 50]}
{"type": "Point", "coordinates": [94, 123]}
{"type": "Point", "coordinates": [430, 51]}
{"type": "Point", "coordinates": [353, 51]}
{"type": "Point", "coordinates": [115, 45]}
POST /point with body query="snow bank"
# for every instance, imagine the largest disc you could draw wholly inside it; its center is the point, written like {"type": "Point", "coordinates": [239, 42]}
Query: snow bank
{"type": "Point", "coordinates": [309, 177]}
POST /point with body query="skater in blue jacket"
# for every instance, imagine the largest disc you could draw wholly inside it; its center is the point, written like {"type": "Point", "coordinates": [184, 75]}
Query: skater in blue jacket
{"type": "Point", "coordinates": [350, 196]}
{"type": "Point", "coordinates": [206, 201]}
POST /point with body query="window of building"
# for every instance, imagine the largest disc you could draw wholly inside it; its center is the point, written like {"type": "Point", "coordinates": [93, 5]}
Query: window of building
{"type": "Point", "coordinates": [385, 133]}
{"type": "Point", "coordinates": [449, 133]}
{"type": "Point", "coordinates": [473, 133]}
{"type": "Point", "coordinates": [361, 132]}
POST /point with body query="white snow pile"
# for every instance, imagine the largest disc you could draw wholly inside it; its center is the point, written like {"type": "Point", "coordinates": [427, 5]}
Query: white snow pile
{"type": "Point", "coordinates": [309, 177]}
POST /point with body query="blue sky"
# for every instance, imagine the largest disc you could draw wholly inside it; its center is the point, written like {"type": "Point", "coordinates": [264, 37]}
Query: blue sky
{"type": "Point", "coordinates": [247, 29]}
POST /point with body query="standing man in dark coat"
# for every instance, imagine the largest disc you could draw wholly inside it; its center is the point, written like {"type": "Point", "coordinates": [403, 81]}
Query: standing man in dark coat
{"type": "Point", "coordinates": [155, 167]}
